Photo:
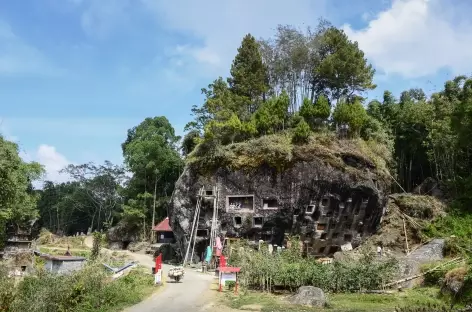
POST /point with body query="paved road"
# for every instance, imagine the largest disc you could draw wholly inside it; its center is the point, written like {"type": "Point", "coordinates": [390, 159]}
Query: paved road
{"type": "Point", "coordinates": [190, 294]}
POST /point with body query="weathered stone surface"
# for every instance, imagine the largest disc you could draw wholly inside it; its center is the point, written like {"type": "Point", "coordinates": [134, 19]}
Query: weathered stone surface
{"type": "Point", "coordinates": [121, 235]}
{"type": "Point", "coordinates": [138, 246]}
{"type": "Point", "coordinates": [411, 264]}
{"type": "Point", "coordinates": [169, 252]}
{"type": "Point", "coordinates": [327, 206]}
{"type": "Point", "coordinates": [309, 296]}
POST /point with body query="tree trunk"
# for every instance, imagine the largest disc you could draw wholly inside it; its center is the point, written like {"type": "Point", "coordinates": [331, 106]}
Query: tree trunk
{"type": "Point", "coordinates": [154, 210]}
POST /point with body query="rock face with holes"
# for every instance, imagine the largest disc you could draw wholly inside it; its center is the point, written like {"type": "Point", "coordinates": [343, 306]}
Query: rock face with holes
{"type": "Point", "coordinates": [331, 208]}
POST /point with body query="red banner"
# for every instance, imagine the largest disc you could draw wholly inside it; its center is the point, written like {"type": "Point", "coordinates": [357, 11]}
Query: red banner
{"type": "Point", "coordinates": [159, 262]}
{"type": "Point", "coordinates": [222, 261]}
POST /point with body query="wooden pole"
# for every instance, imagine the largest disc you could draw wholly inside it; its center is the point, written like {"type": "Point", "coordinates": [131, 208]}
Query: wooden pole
{"type": "Point", "coordinates": [194, 225]}
{"type": "Point", "coordinates": [406, 237]}
{"type": "Point", "coordinates": [424, 273]}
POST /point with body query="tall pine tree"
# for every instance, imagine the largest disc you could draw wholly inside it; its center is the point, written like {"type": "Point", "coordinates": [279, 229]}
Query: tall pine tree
{"type": "Point", "coordinates": [248, 74]}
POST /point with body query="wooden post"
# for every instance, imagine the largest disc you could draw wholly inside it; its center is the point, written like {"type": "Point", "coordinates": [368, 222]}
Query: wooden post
{"type": "Point", "coordinates": [406, 237]}
{"type": "Point", "coordinates": [219, 282]}
{"type": "Point", "coordinates": [236, 284]}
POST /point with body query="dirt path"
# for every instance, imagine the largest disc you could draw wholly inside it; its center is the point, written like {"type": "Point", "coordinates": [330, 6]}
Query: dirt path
{"type": "Point", "coordinates": [143, 259]}
{"type": "Point", "coordinates": [192, 294]}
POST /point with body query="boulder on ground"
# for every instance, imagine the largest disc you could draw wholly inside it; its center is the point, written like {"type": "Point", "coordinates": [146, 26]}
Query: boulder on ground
{"type": "Point", "coordinates": [411, 264]}
{"type": "Point", "coordinates": [169, 252]}
{"type": "Point", "coordinates": [138, 246]}
{"type": "Point", "coordinates": [309, 296]}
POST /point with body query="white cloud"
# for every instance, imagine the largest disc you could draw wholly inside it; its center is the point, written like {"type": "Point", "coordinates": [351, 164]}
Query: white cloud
{"type": "Point", "coordinates": [416, 38]}
{"type": "Point", "coordinates": [53, 163]}
{"type": "Point", "coordinates": [220, 26]}
{"type": "Point", "coordinates": [19, 58]}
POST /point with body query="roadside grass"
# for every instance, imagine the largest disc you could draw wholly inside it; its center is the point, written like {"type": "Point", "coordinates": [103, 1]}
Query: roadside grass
{"type": "Point", "coordinates": [347, 302]}
{"type": "Point", "coordinates": [90, 289]}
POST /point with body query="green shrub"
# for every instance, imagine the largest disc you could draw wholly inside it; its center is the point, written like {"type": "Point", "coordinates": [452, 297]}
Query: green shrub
{"type": "Point", "coordinates": [433, 278]}
{"type": "Point", "coordinates": [88, 290]}
{"type": "Point", "coordinates": [302, 132]}
{"type": "Point", "coordinates": [7, 286]}
{"type": "Point", "coordinates": [97, 243]}
{"type": "Point", "coordinates": [289, 270]}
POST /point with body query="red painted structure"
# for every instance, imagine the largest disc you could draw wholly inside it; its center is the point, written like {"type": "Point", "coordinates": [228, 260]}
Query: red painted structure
{"type": "Point", "coordinates": [158, 262]}
{"type": "Point", "coordinates": [224, 269]}
{"type": "Point", "coordinates": [163, 226]}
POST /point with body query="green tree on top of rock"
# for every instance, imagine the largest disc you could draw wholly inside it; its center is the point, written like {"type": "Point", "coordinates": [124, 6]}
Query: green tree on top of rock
{"type": "Point", "coordinates": [352, 114]}
{"type": "Point", "coordinates": [340, 68]}
{"type": "Point", "coordinates": [272, 115]}
{"type": "Point", "coordinates": [315, 114]}
{"type": "Point", "coordinates": [248, 74]}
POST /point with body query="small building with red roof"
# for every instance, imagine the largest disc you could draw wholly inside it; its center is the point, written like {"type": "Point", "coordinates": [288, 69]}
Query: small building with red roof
{"type": "Point", "coordinates": [164, 232]}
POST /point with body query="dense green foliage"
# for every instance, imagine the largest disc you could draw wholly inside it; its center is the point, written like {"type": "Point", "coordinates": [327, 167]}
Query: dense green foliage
{"type": "Point", "coordinates": [87, 290]}
{"type": "Point", "coordinates": [17, 198]}
{"type": "Point", "coordinates": [99, 196]}
{"type": "Point", "coordinates": [268, 78]}
{"type": "Point", "coordinates": [289, 270]}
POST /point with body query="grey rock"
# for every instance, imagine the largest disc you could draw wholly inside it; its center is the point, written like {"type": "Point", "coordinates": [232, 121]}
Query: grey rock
{"type": "Point", "coordinates": [121, 235]}
{"type": "Point", "coordinates": [327, 206]}
{"type": "Point", "coordinates": [309, 296]}
{"type": "Point", "coordinates": [411, 264]}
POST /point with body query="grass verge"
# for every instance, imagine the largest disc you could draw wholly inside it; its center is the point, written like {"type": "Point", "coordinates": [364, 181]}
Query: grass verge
{"type": "Point", "coordinates": [90, 289]}
{"type": "Point", "coordinates": [353, 302]}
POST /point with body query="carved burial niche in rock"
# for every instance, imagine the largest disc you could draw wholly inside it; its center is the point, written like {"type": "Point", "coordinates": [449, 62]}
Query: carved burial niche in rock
{"type": "Point", "coordinates": [316, 215]}
{"type": "Point", "coordinates": [321, 227]}
{"type": "Point", "coordinates": [310, 209]}
{"type": "Point", "coordinates": [208, 192]}
{"type": "Point", "coordinates": [202, 233]}
{"type": "Point", "coordinates": [238, 221]}
{"type": "Point", "coordinates": [240, 202]}
{"type": "Point", "coordinates": [325, 206]}
{"type": "Point", "coordinates": [270, 203]}
{"type": "Point", "coordinates": [321, 250]}
{"type": "Point", "coordinates": [324, 201]}
{"type": "Point", "coordinates": [324, 236]}
{"type": "Point", "coordinates": [257, 222]}
{"type": "Point", "coordinates": [348, 237]}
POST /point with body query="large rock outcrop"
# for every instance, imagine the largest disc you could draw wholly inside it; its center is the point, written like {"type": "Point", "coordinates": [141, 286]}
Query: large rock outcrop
{"type": "Point", "coordinates": [330, 197]}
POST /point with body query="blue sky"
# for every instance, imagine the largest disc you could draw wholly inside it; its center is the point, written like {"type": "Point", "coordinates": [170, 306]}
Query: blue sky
{"type": "Point", "coordinates": [76, 74]}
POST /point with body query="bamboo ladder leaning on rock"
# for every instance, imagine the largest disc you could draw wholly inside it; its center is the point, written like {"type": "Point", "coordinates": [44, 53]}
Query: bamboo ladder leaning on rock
{"type": "Point", "coordinates": [193, 232]}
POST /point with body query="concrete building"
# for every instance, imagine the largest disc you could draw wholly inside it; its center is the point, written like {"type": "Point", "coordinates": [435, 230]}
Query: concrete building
{"type": "Point", "coordinates": [63, 264]}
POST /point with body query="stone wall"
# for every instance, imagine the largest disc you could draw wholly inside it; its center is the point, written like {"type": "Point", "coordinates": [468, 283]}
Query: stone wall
{"type": "Point", "coordinates": [64, 267]}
